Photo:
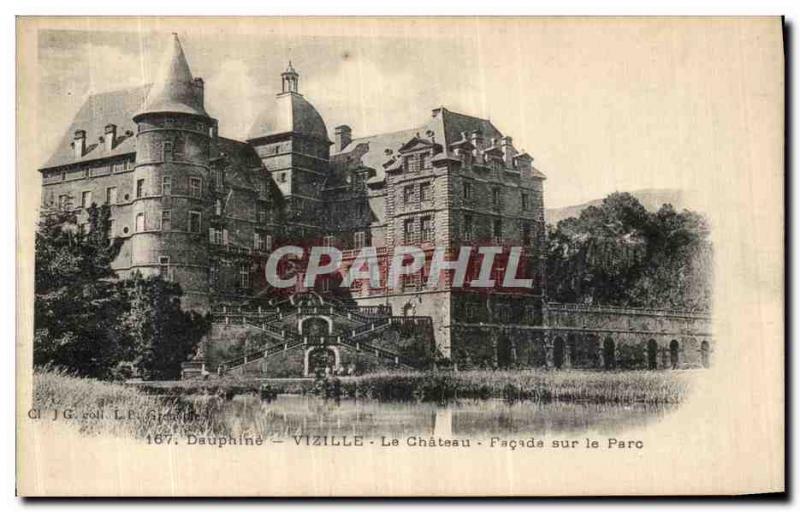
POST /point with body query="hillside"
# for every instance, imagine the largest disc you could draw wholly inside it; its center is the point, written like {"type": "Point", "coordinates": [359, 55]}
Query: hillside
{"type": "Point", "coordinates": [652, 199]}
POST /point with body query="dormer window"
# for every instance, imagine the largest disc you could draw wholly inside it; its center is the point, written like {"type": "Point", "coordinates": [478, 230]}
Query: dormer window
{"type": "Point", "coordinates": [358, 180]}
{"type": "Point", "coordinates": [412, 163]}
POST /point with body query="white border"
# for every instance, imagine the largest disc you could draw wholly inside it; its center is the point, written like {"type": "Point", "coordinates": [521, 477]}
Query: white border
{"type": "Point", "coordinates": [9, 9]}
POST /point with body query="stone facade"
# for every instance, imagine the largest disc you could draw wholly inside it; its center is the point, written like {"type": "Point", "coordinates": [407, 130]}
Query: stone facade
{"type": "Point", "coordinates": [205, 210]}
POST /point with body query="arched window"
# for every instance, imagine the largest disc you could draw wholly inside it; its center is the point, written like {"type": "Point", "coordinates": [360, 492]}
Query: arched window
{"type": "Point", "coordinates": [652, 354]}
{"type": "Point", "coordinates": [558, 352]}
{"type": "Point", "coordinates": [504, 357]}
{"type": "Point", "coordinates": [674, 354]}
{"type": "Point", "coordinates": [705, 356]}
{"type": "Point", "coordinates": [609, 354]}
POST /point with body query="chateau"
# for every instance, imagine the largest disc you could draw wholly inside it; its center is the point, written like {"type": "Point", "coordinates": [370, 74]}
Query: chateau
{"type": "Point", "coordinates": [206, 211]}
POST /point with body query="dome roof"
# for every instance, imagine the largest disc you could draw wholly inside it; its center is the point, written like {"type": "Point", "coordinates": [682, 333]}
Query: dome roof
{"type": "Point", "coordinates": [290, 112]}
{"type": "Point", "coordinates": [174, 90]}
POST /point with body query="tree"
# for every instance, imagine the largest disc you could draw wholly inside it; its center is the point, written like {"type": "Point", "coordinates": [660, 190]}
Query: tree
{"type": "Point", "coordinates": [621, 254]}
{"type": "Point", "coordinates": [76, 297]}
{"type": "Point", "coordinates": [87, 321]}
{"type": "Point", "coordinates": [162, 334]}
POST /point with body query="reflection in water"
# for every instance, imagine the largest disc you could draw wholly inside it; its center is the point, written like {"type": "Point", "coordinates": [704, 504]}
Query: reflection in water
{"type": "Point", "coordinates": [295, 415]}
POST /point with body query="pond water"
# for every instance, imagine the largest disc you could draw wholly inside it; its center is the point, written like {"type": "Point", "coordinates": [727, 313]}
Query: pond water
{"type": "Point", "coordinates": [290, 415]}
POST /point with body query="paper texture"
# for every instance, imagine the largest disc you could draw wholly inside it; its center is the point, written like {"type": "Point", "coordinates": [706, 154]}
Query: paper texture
{"type": "Point", "coordinates": [304, 111]}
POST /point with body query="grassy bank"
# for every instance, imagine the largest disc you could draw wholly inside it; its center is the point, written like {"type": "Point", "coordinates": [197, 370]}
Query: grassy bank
{"type": "Point", "coordinates": [104, 407]}
{"type": "Point", "coordinates": [199, 407]}
{"type": "Point", "coordinates": [230, 386]}
{"type": "Point", "coordinates": [534, 385]}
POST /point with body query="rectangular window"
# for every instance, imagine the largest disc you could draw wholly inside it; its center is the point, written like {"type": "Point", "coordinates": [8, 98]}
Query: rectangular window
{"type": "Point", "coordinates": [167, 155]}
{"type": "Point", "coordinates": [219, 180]}
{"type": "Point", "coordinates": [213, 274]}
{"type": "Point", "coordinates": [140, 226]}
{"type": "Point", "coordinates": [358, 181]}
{"type": "Point", "coordinates": [359, 239]}
{"type": "Point", "coordinates": [163, 268]}
{"type": "Point", "coordinates": [166, 220]}
{"type": "Point", "coordinates": [86, 199]}
{"type": "Point", "coordinates": [195, 187]}
{"type": "Point", "coordinates": [468, 227]}
{"type": "Point", "coordinates": [139, 188]}
{"type": "Point", "coordinates": [244, 276]}
{"type": "Point", "coordinates": [467, 190]}
{"type": "Point", "coordinates": [261, 215]}
{"type": "Point", "coordinates": [215, 236]}
{"type": "Point", "coordinates": [327, 241]}
{"type": "Point", "coordinates": [496, 197]}
{"type": "Point", "coordinates": [426, 228]}
{"type": "Point", "coordinates": [194, 221]}
{"type": "Point", "coordinates": [497, 229]}
{"type": "Point", "coordinates": [408, 230]}
{"type": "Point", "coordinates": [259, 242]}
{"type": "Point", "coordinates": [111, 195]}
{"type": "Point", "coordinates": [413, 163]}
{"type": "Point", "coordinates": [281, 177]}
{"type": "Point", "coordinates": [166, 185]}
{"type": "Point", "coordinates": [218, 207]}
{"type": "Point", "coordinates": [425, 192]}
{"type": "Point", "coordinates": [63, 201]}
{"type": "Point", "coordinates": [526, 234]}
{"type": "Point", "coordinates": [423, 160]}
{"type": "Point", "coordinates": [268, 243]}
{"type": "Point", "coordinates": [408, 194]}
{"type": "Point", "coordinates": [525, 201]}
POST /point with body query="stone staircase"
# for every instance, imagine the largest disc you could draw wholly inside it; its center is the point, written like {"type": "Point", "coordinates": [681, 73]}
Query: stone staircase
{"type": "Point", "coordinates": [356, 328]}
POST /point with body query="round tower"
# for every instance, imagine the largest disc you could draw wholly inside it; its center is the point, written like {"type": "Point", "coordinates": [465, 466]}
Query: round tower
{"type": "Point", "coordinates": [171, 200]}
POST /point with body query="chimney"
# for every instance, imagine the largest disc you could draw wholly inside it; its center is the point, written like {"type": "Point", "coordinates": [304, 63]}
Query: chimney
{"type": "Point", "coordinates": [476, 138]}
{"type": "Point", "coordinates": [199, 88]}
{"type": "Point", "coordinates": [506, 144]}
{"type": "Point", "coordinates": [79, 143]}
{"type": "Point", "coordinates": [342, 136]}
{"type": "Point", "coordinates": [111, 136]}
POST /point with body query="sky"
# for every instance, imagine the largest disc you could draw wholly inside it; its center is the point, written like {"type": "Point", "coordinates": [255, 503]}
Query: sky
{"type": "Point", "coordinates": [601, 107]}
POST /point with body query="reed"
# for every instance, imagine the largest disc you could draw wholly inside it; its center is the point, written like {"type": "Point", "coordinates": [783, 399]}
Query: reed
{"type": "Point", "coordinates": [628, 387]}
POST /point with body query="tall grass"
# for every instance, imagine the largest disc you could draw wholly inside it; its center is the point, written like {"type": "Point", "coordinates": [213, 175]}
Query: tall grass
{"type": "Point", "coordinates": [104, 407]}
{"type": "Point", "coordinates": [205, 408]}
{"type": "Point", "coordinates": [536, 385]}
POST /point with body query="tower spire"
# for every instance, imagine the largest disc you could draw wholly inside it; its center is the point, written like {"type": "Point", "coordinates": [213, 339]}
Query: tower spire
{"type": "Point", "coordinates": [174, 89]}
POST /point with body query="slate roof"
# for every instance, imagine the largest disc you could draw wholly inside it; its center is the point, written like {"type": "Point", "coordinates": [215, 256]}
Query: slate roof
{"type": "Point", "coordinates": [290, 112]}
{"type": "Point", "coordinates": [174, 90]}
{"type": "Point", "coordinates": [99, 110]}
{"type": "Point", "coordinates": [445, 125]}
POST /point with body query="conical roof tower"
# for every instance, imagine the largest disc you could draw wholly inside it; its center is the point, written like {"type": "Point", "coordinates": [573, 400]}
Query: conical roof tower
{"type": "Point", "coordinates": [174, 90]}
